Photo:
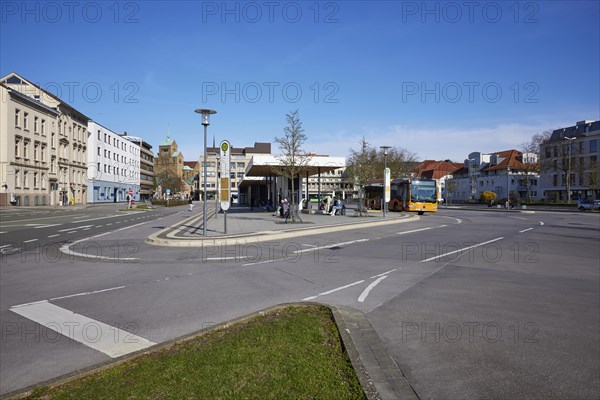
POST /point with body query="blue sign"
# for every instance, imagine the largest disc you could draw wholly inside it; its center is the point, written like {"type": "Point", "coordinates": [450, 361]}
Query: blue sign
{"type": "Point", "coordinates": [168, 191]}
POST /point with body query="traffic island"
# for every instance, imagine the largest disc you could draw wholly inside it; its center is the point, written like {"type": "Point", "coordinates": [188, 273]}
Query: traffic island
{"type": "Point", "coordinates": [290, 351]}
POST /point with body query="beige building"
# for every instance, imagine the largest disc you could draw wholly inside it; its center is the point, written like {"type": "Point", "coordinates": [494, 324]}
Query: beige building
{"type": "Point", "coordinates": [43, 145]}
{"type": "Point", "coordinates": [169, 169]}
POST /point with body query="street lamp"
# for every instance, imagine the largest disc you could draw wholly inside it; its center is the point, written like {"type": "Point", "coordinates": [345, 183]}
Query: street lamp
{"type": "Point", "coordinates": [569, 141]}
{"type": "Point", "coordinates": [206, 122]}
{"type": "Point", "coordinates": [385, 177]}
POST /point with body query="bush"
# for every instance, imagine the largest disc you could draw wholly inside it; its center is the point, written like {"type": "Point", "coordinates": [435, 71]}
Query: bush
{"type": "Point", "coordinates": [488, 197]}
{"type": "Point", "coordinates": [169, 203]}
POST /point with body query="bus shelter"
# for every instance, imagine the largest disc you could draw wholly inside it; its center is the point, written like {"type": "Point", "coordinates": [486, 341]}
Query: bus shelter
{"type": "Point", "coordinates": [264, 182]}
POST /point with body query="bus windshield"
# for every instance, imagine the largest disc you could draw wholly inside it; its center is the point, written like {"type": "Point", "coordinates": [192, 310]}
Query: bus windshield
{"type": "Point", "coordinates": [423, 191]}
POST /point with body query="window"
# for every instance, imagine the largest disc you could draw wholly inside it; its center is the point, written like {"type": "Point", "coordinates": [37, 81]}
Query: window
{"type": "Point", "coordinates": [98, 150]}
{"type": "Point", "coordinates": [26, 179]}
{"type": "Point", "coordinates": [35, 124]}
{"type": "Point", "coordinates": [18, 179]}
{"type": "Point", "coordinates": [18, 118]}
{"type": "Point", "coordinates": [18, 147]}
{"type": "Point", "coordinates": [53, 165]}
{"type": "Point", "coordinates": [43, 127]}
{"type": "Point", "coordinates": [105, 138]}
{"type": "Point", "coordinates": [43, 153]}
{"type": "Point", "coordinates": [25, 121]}
{"type": "Point", "coordinates": [99, 137]}
{"type": "Point", "coordinates": [25, 149]}
{"type": "Point", "coordinates": [43, 181]}
{"type": "Point", "coordinates": [98, 168]}
{"type": "Point", "coordinates": [594, 146]}
{"type": "Point", "coordinates": [35, 151]}
{"type": "Point", "coordinates": [35, 180]}
{"type": "Point", "coordinates": [555, 180]}
{"type": "Point", "coordinates": [105, 153]}
{"type": "Point", "coordinates": [53, 140]}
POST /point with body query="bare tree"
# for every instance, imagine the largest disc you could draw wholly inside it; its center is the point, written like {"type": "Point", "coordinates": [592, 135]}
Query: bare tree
{"type": "Point", "coordinates": [362, 167]}
{"type": "Point", "coordinates": [167, 175]}
{"type": "Point", "coordinates": [292, 158]}
{"type": "Point", "coordinates": [401, 162]}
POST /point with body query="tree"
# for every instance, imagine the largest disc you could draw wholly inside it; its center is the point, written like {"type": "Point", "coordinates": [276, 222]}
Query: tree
{"type": "Point", "coordinates": [487, 197]}
{"type": "Point", "coordinates": [166, 174]}
{"type": "Point", "coordinates": [292, 158]}
{"type": "Point", "coordinates": [559, 158]}
{"type": "Point", "coordinates": [533, 146]}
{"type": "Point", "coordinates": [401, 162]}
{"type": "Point", "coordinates": [361, 167]}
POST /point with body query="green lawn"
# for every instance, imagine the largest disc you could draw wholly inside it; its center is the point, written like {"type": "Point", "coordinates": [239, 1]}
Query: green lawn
{"type": "Point", "coordinates": [290, 353]}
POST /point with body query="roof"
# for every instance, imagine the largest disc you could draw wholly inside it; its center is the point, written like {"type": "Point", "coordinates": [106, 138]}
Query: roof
{"type": "Point", "coordinates": [58, 99]}
{"type": "Point", "coordinates": [432, 169]}
{"type": "Point", "coordinates": [513, 159]}
{"type": "Point", "coordinates": [191, 164]}
{"type": "Point", "coordinates": [167, 142]}
{"type": "Point", "coordinates": [577, 131]}
{"type": "Point", "coordinates": [31, 101]}
{"type": "Point", "coordinates": [186, 168]}
{"type": "Point", "coordinates": [267, 164]}
{"type": "Point", "coordinates": [175, 154]}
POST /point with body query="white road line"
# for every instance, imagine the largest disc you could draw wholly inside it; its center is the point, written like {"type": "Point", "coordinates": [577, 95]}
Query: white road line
{"type": "Point", "coordinates": [73, 228]}
{"type": "Point", "coordinates": [341, 288]}
{"type": "Point", "coordinates": [419, 230]}
{"type": "Point", "coordinates": [541, 222]}
{"type": "Point", "coordinates": [2, 232]}
{"type": "Point", "coordinates": [87, 293]}
{"type": "Point", "coordinates": [102, 234]}
{"type": "Point", "coordinates": [53, 235]}
{"type": "Point", "coordinates": [525, 230]}
{"type": "Point", "coordinates": [98, 226]}
{"type": "Point", "coordinates": [459, 221]}
{"type": "Point", "coordinates": [459, 250]}
{"type": "Point", "coordinates": [308, 245]}
{"type": "Point", "coordinates": [105, 338]}
{"type": "Point", "coordinates": [86, 229]}
{"type": "Point", "coordinates": [261, 262]}
{"type": "Point", "coordinates": [30, 240]}
{"type": "Point", "coordinates": [72, 232]}
{"type": "Point", "coordinates": [330, 246]}
{"type": "Point", "coordinates": [95, 219]}
{"type": "Point", "coordinates": [46, 226]}
{"type": "Point", "coordinates": [109, 224]}
{"type": "Point", "coordinates": [518, 218]}
{"type": "Point", "coordinates": [6, 245]}
{"type": "Point", "coordinates": [385, 273]}
{"type": "Point", "coordinates": [130, 226]}
{"type": "Point", "coordinates": [365, 292]}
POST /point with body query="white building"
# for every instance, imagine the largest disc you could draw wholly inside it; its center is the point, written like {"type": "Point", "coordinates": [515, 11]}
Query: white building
{"type": "Point", "coordinates": [507, 173]}
{"type": "Point", "coordinates": [113, 166]}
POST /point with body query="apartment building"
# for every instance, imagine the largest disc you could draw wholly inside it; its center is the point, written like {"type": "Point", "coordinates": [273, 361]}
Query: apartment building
{"type": "Point", "coordinates": [43, 146]}
{"type": "Point", "coordinates": [509, 174]}
{"type": "Point", "coordinates": [570, 162]}
{"type": "Point", "coordinates": [113, 166]}
{"type": "Point", "coordinates": [240, 157]}
{"type": "Point", "coordinates": [146, 166]}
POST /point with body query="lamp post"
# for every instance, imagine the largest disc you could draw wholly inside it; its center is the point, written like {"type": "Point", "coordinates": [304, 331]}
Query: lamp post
{"type": "Point", "coordinates": [385, 178]}
{"type": "Point", "coordinates": [569, 141]}
{"type": "Point", "coordinates": [205, 122]}
{"type": "Point", "coordinates": [507, 188]}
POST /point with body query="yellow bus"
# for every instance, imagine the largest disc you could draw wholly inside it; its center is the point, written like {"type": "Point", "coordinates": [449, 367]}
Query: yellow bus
{"type": "Point", "coordinates": [407, 194]}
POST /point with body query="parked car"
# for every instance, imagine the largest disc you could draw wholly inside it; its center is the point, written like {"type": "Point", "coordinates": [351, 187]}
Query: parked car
{"type": "Point", "coordinates": [588, 205]}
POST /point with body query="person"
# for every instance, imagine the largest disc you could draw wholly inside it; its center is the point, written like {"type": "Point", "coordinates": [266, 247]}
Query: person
{"type": "Point", "coordinates": [191, 205]}
{"type": "Point", "coordinates": [336, 206]}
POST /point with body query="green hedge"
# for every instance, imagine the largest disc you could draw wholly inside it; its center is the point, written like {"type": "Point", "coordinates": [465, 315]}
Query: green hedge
{"type": "Point", "coordinates": [169, 203]}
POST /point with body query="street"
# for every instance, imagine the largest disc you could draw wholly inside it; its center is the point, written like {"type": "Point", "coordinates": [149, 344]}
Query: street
{"type": "Point", "coordinates": [469, 304]}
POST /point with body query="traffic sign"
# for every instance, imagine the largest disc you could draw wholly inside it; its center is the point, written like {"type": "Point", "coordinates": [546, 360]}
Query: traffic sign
{"type": "Point", "coordinates": [225, 158]}
{"type": "Point", "coordinates": [386, 185]}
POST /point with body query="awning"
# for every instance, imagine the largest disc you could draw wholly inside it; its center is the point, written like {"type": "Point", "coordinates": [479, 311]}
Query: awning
{"type": "Point", "coordinates": [267, 164]}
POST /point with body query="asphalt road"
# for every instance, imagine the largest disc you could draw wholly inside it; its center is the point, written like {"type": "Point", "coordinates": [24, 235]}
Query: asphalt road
{"type": "Point", "coordinates": [469, 304]}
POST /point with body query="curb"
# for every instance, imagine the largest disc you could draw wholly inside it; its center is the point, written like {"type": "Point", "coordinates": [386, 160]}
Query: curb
{"type": "Point", "coordinates": [355, 331]}
{"type": "Point", "coordinates": [379, 375]}
{"type": "Point", "coordinates": [255, 237]}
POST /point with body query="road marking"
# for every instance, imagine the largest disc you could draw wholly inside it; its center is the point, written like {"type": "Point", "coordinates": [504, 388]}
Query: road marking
{"type": "Point", "coordinates": [419, 230]}
{"type": "Point", "coordinates": [365, 292]}
{"type": "Point", "coordinates": [109, 224]}
{"type": "Point", "coordinates": [98, 226]}
{"type": "Point", "coordinates": [130, 226]}
{"type": "Point", "coordinates": [262, 262]}
{"type": "Point", "coordinates": [30, 240]}
{"type": "Point", "coordinates": [542, 223]}
{"type": "Point", "coordinates": [105, 338]}
{"type": "Point", "coordinates": [53, 235]}
{"type": "Point", "coordinates": [6, 245]}
{"type": "Point", "coordinates": [334, 290]}
{"type": "Point", "coordinates": [463, 249]}
{"type": "Point", "coordinates": [2, 232]}
{"type": "Point", "coordinates": [87, 293]}
{"type": "Point", "coordinates": [72, 232]}
{"type": "Point", "coordinates": [518, 218]}
{"type": "Point", "coordinates": [308, 245]}
{"type": "Point", "coordinates": [73, 228]}
{"type": "Point", "coordinates": [46, 226]}
{"type": "Point", "coordinates": [525, 230]}
{"type": "Point", "coordinates": [95, 219]}
{"type": "Point", "coordinates": [385, 273]}
{"type": "Point", "coordinates": [330, 246]}
{"type": "Point", "coordinates": [459, 221]}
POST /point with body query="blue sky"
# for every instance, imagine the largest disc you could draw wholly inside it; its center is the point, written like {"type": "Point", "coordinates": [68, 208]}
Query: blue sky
{"type": "Point", "coordinates": [441, 79]}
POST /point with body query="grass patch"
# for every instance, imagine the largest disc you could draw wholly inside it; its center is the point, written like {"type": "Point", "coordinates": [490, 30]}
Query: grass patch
{"type": "Point", "coordinates": [290, 353]}
{"type": "Point", "coordinates": [141, 207]}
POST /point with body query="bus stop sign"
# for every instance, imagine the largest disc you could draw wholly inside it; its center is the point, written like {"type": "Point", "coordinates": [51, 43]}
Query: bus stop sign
{"type": "Point", "coordinates": [386, 185]}
{"type": "Point", "coordinates": [225, 192]}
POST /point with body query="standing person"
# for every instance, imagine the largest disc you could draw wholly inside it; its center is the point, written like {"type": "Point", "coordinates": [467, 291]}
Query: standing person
{"type": "Point", "coordinates": [191, 205]}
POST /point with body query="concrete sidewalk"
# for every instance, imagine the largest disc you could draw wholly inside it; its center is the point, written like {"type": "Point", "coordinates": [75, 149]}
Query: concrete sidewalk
{"type": "Point", "coordinates": [248, 226]}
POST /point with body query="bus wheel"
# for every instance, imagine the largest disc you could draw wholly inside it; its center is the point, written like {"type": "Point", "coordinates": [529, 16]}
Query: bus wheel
{"type": "Point", "coordinates": [421, 212]}
{"type": "Point", "coordinates": [395, 207]}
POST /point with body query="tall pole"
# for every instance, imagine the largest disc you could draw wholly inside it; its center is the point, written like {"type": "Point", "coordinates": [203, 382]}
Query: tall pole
{"type": "Point", "coordinates": [570, 143]}
{"type": "Point", "coordinates": [508, 188]}
{"type": "Point", "coordinates": [205, 175]}
{"type": "Point", "coordinates": [384, 184]}
{"type": "Point", "coordinates": [216, 184]}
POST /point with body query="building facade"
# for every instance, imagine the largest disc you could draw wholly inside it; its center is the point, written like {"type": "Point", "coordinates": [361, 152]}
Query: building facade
{"type": "Point", "coordinates": [113, 166]}
{"type": "Point", "coordinates": [146, 167]}
{"type": "Point", "coordinates": [168, 170]}
{"type": "Point", "coordinates": [570, 163]}
{"type": "Point", "coordinates": [43, 146]}
{"type": "Point", "coordinates": [509, 174]}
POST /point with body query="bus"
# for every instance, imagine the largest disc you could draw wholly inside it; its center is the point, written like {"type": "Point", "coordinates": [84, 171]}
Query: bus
{"type": "Point", "coordinates": [406, 194]}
